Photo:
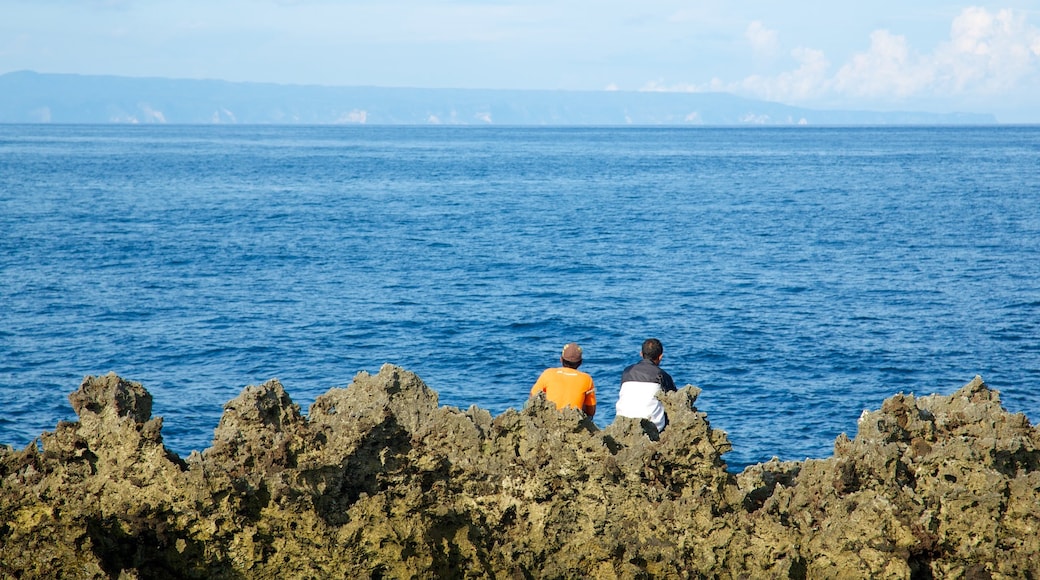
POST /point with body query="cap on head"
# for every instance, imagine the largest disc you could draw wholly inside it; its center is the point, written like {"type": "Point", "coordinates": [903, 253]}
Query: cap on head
{"type": "Point", "coordinates": [571, 352]}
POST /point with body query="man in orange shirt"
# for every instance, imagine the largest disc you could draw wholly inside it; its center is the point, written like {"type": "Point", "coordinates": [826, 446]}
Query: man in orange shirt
{"type": "Point", "coordinates": [566, 386]}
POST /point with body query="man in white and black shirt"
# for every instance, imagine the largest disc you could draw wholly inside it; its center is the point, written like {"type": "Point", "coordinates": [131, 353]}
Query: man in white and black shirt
{"type": "Point", "coordinates": [640, 384]}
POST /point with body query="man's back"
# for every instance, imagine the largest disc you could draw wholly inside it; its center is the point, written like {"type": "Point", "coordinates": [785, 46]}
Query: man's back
{"type": "Point", "coordinates": [647, 372]}
{"type": "Point", "coordinates": [567, 387]}
{"type": "Point", "coordinates": [640, 384]}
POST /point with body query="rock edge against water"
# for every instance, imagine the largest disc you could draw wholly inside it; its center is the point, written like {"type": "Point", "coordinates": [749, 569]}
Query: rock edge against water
{"type": "Point", "coordinates": [378, 481]}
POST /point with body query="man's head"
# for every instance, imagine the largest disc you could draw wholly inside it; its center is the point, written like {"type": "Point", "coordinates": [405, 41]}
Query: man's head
{"type": "Point", "coordinates": [571, 356]}
{"type": "Point", "coordinates": [652, 350]}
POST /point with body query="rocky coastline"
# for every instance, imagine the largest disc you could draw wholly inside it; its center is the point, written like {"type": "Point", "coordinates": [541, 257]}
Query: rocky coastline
{"type": "Point", "coordinates": [379, 481]}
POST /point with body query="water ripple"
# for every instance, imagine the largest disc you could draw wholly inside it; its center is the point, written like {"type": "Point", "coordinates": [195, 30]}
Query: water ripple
{"type": "Point", "coordinates": [796, 276]}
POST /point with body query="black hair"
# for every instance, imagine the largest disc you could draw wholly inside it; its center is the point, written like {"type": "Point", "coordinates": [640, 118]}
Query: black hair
{"type": "Point", "coordinates": [569, 364]}
{"type": "Point", "coordinates": [652, 349]}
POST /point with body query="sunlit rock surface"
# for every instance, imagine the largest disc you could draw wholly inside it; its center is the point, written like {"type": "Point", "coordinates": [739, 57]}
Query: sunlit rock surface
{"type": "Point", "coordinates": [379, 481]}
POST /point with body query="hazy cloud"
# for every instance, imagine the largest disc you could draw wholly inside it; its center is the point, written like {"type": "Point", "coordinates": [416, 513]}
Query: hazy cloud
{"type": "Point", "coordinates": [802, 83]}
{"type": "Point", "coordinates": [659, 86]}
{"type": "Point", "coordinates": [120, 4]}
{"type": "Point", "coordinates": [805, 82]}
{"type": "Point", "coordinates": [807, 53]}
{"type": "Point", "coordinates": [887, 69]}
{"type": "Point", "coordinates": [764, 41]}
{"type": "Point", "coordinates": [987, 52]}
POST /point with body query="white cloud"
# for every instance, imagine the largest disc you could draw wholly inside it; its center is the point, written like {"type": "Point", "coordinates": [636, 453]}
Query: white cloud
{"type": "Point", "coordinates": [807, 81]}
{"type": "Point", "coordinates": [888, 69]}
{"type": "Point", "coordinates": [662, 87]}
{"type": "Point", "coordinates": [753, 119]}
{"type": "Point", "coordinates": [987, 53]}
{"type": "Point", "coordinates": [764, 41]}
{"type": "Point", "coordinates": [355, 116]}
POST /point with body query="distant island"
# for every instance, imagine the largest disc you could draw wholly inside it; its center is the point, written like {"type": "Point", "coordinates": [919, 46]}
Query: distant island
{"type": "Point", "coordinates": [31, 97]}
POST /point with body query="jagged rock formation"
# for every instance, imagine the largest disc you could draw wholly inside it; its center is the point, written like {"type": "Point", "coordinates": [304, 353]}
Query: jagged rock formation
{"type": "Point", "coordinates": [378, 481]}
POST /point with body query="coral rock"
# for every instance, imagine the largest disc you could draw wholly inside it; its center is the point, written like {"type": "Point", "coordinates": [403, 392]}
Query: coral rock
{"type": "Point", "coordinates": [378, 480]}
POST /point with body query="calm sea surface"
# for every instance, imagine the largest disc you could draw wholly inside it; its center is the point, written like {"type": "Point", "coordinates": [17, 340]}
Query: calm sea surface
{"type": "Point", "coordinates": [798, 275]}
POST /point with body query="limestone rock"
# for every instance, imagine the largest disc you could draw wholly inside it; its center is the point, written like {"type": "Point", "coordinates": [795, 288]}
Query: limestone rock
{"type": "Point", "coordinates": [378, 480]}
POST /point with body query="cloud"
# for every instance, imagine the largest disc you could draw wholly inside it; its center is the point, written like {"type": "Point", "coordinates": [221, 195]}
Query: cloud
{"type": "Point", "coordinates": [987, 53]}
{"type": "Point", "coordinates": [764, 41]}
{"type": "Point", "coordinates": [104, 4]}
{"type": "Point", "coordinates": [888, 69]}
{"type": "Point", "coordinates": [662, 87]}
{"type": "Point", "coordinates": [802, 83]}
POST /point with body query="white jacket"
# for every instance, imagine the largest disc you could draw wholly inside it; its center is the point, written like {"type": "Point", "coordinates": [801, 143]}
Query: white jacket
{"type": "Point", "coordinates": [638, 400]}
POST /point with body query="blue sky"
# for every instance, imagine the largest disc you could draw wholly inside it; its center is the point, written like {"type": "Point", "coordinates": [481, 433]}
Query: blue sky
{"type": "Point", "coordinates": [925, 55]}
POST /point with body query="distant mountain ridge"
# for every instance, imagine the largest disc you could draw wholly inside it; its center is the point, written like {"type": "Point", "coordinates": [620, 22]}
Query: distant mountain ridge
{"type": "Point", "coordinates": [30, 97]}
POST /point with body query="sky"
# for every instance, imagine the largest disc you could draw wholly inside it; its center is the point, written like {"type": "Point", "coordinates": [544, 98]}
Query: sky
{"type": "Point", "coordinates": [886, 55]}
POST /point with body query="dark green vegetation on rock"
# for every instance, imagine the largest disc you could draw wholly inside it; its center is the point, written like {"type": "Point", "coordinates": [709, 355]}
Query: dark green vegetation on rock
{"type": "Point", "coordinates": [378, 481]}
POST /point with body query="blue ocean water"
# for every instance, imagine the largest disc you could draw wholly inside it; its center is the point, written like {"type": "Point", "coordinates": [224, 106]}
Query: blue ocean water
{"type": "Point", "coordinates": [797, 275]}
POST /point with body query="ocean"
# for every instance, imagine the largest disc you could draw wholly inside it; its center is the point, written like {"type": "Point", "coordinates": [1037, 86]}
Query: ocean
{"type": "Point", "coordinates": [796, 275]}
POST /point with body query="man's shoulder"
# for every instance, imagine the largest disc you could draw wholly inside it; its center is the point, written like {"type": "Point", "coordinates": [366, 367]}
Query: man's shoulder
{"type": "Point", "coordinates": [573, 372]}
{"type": "Point", "coordinates": [564, 371]}
{"type": "Point", "coordinates": [668, 381]}
{"type": "Point", "coordinates": [644, 364]}
{"type": "Point", "coordinates": [636, 371]}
